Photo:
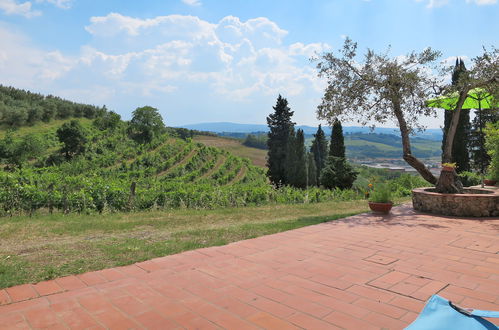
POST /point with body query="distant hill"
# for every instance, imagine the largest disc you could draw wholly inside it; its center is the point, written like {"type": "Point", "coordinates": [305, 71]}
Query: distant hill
{"type": "Point", "coordinates": [364, 146]}
{"type": "Point", "coordinates": [228, 127]}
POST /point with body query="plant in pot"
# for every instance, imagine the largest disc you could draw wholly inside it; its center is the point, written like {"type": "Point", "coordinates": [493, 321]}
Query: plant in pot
{"type": "Point", "coordinates": [492, 177]}
{"type": "Point", "coordinates": [380, 199]}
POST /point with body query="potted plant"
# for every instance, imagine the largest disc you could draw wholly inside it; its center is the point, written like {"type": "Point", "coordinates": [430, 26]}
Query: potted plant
{"type": "Point", "coordinates": [492, 177]}
{"type": "Point", "coordinates": [380, 199]}
{"type": "Point", "coordinates": [450, 167]}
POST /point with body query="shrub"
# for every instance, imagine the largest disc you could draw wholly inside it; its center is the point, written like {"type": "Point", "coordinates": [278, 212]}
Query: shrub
{"type": "Point", "coordinates": [381, 194]}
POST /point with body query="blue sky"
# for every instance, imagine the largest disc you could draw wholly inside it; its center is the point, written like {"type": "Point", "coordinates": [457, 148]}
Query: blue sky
{"type": "Point", "coordinates": [218, 60]}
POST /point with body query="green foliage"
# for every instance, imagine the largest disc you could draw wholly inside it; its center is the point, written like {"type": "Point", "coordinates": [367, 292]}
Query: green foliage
{"type": "Point", "coordinates": [337, 145]}
{"type": "Point", "coordinates": [400, 183]}
{"type": "Point", "coordinates": [73, 137]}
{"type": "Point", "coordinates": [311, 170]}
{"type": "Point", "coordinates": [16, 152]}
{"type": "Point", "coordinates": [469, 179]}
{"type": "Point", "coordinates": [256, 141]}
{"type": "Point", "coordinates": [296, 161]}
{"type": "Point", "coordinates": [319, 151]}
{"type": "Point", "coordinates": [492, 145]}
{"type": "Point", "coordinates": [146, 124]}
{"type": "Point", "coordinates": [108, 121]}
{"type": "Point", "coordinates": [337, 174]}
{"type": "Point", "coordinates": [22, 108]}
{"type": "Point", "coordinates": [381, 193]}
{"type": "Point", "coordinates": [479, 155]}
{"type": "Point", "coordinates": [280, 128]}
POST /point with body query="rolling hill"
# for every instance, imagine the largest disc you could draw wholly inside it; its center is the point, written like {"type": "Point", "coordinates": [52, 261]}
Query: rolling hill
{"type": "Point", "coordinates": [228, 127]}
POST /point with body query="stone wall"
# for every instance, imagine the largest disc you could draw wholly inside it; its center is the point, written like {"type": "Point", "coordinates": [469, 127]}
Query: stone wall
{"type": "Point", "coordinates": [475, 202]}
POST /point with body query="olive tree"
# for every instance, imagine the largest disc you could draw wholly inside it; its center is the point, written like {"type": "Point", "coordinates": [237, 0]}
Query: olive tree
{"type": "Point", "coordinates": [378, 89]}
{"type": "Point", "coordinates": [381, 88]}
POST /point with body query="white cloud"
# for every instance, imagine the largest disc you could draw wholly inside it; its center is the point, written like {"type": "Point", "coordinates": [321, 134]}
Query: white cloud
{"type": "Point", "coordinates": [63, 4]}
{"type": "Point", "coordinates": [193, 3]}
{"type": "Point", "coordinates": [12, 7]}
{"type": "Point", "coordinates": [440, 3]}
{"type": "Point", "coordinates": [26, 66]}
{"type": "Point", "coordinates": [161, 27]}
{"type": "Point", "coordinates": [169, 59]}
{"type": "Point", "coordinates": [435, 3]}
{"type": "Point", "coordinates": [482, 2]}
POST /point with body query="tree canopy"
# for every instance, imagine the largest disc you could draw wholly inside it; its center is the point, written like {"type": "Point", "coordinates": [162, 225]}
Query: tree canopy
{"type": "Point", "coordinates": [72, 136]}
{"type": "Point", "coordinates": [319, 151]}
{"type": "Point", "coordinates": [280, 129]}
{"type": "Point", "coordinates": [146, 124]}
{"type": "Point", "coordinates": [337, 145]}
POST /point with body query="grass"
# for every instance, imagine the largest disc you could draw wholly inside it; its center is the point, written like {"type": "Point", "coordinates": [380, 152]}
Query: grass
{"type": "Point", "coordinates": [234, 146]}
{"type": "Point", "coordinates": [49, 246]}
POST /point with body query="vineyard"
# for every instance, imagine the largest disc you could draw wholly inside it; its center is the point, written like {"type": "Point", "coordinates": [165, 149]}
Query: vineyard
{"type": "Point", "coordinates": [117, 174]}
{"type": "Point", "coordinates": [63, 157]}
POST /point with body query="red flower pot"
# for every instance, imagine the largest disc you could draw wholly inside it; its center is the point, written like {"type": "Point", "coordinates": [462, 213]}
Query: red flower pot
{"type": "Point", "coordinates": [448, 168]}
{"type": "Point", "coordinates": [380, 207]}
{"type": "Point", "coordinates": [488, 182]}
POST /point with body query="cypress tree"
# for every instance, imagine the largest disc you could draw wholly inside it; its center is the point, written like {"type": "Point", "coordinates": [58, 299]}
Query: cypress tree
{"type": "Point", "coordinates": [297, 161]}
{"type": "Point", "coordinates": [319, 151]}
{"type": "Point", "coordinates": [311, 170]}
{"type": "Point", "coordinates": [337, 172]}
{"type": "Point", "coordinates": [280, 127]}
{"type": "Point", "coordinates": [301, 160]}
{"type": "Point", "coordinates": [460, 149]}
{"type": "Point", "coordinates": [290, 159]}
{"type": "Point", "coordinates": [337, 146]}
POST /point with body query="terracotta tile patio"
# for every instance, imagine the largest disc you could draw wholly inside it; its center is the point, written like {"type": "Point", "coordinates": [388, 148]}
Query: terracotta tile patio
{"type": "Point", "coordinates": [363, 272]}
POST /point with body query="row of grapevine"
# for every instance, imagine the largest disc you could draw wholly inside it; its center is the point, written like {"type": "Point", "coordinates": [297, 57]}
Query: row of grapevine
{"type": "Point", "coordinates": [29, 191]}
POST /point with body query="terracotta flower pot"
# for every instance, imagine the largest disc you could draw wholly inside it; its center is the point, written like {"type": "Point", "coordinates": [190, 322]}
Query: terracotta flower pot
{"type": "Point", "coordinates": [448, 168]}
{"type": "Point", "coordinates": [488, 182]}
{"type": "Point", "coordinates": [380, 207]}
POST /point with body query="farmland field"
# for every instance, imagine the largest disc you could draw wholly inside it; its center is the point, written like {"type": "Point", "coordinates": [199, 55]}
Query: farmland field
{"type": "Point", "coordinates": [234, 146]}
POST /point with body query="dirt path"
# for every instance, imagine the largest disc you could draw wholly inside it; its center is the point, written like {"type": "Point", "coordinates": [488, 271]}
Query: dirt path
{"type": "Point", "coordinates": [215, 168]}
{"type": "Point", "coordinates": [240, 175]}
{"type": "Point", "coordinates": [182, 162]}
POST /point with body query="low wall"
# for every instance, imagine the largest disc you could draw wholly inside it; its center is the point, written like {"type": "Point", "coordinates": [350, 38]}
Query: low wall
{"type": "Point", "coordinates": [475, 202]}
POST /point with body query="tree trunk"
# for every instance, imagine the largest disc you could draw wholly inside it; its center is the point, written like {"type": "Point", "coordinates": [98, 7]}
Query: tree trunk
{"type": "Point", "coordinates": [406, 146]}
{"type": "Point", "coordinates": [449, 183]}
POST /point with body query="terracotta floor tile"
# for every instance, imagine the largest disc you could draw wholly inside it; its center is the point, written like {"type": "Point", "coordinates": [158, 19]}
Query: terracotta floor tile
{"type": "Point", "coordinates": [22, 292]}
{"type": "Point", "coordinates": [41, 317]}
{"type": "Point", "coordinates": [47, 287]}
{"type": "Point", "coordinates": [70, 282]}
{"type": "Point", "coordinates": [348, 322]}
{"type": "Point", "coordinates": [268, 321]}
{"type": "Point", "coordinates": [153, 320]}
{"type": "Point", "coordinates": [92, 278]}
{"type": "Point", "coordinates": [77, 318]}
{"type": "Point", "coordinates": [363, 272]}
{"type": "Point", "coordinates": [308, 322]}
{"type": "Point", "coordinates": [4, 297]}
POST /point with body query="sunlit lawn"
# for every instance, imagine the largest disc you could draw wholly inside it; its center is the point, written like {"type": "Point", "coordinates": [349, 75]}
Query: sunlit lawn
{"type": "Point", "coordinates": [49, 246]}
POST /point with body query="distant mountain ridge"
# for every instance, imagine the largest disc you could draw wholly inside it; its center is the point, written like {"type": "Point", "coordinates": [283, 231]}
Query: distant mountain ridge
{"type": "Point", "coordinates": [228, 127]}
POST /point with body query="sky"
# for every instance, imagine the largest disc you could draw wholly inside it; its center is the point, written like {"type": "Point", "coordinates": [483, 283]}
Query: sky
{"type": "Point", "coordinates": [219, 60]}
